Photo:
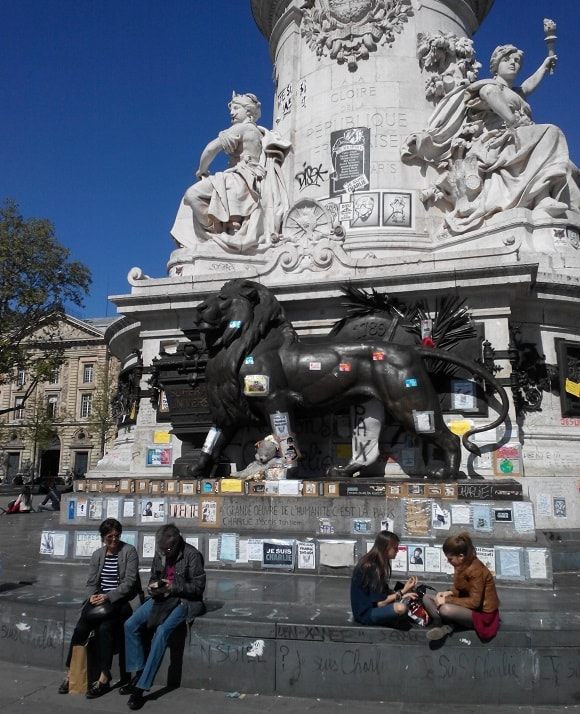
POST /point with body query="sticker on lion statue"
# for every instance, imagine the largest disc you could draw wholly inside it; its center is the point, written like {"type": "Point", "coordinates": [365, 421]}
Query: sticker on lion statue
{"type": "Point", "coordinates": [424, 422]}
{"type": "Point", "coordinates": [210, 440]}
{"type": "Point", "coordinates": [284, 363]}
{"type": "Point", "coordinates": [256, 385]}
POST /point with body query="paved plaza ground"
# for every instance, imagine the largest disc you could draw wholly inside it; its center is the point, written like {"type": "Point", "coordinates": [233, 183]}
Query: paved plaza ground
{"type": "Point", "coordinates": [34, 691]}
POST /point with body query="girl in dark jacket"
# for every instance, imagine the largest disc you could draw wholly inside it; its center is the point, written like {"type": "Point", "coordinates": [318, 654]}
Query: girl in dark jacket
{"type": "Point", "coordinates": [373, 601]}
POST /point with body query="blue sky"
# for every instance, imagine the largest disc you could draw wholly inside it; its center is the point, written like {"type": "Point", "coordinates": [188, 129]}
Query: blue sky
{"type": "Point", "coordinates": [107, 104]}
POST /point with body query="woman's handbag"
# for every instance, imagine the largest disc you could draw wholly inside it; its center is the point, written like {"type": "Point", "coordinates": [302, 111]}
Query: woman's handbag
{"type": "Point", "coordinates": [97, 613]}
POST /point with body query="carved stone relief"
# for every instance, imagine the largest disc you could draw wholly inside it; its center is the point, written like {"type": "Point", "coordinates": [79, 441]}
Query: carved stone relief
{"type": "Point", "coordinates": [480, 144]}
{"type": "Point", "coordinates": [349, 30]}
{"type": "Point", "coordinates": [311, 236]}
{"type": "Point", "coordinates": [449, 61]}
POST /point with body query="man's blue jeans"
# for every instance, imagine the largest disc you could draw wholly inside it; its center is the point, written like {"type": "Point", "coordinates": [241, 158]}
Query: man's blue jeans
{"type": "Point", "coordinates": [134, 647]}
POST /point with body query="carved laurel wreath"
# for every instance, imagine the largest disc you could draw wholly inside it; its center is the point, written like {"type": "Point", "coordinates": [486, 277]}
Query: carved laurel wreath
{"type": "Point", "coordinates": [349, 30]}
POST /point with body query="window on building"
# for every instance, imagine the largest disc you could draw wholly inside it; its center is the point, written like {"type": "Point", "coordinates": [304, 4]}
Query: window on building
{"type": "Point", "coordinates": [81, 463]}
{"type": "Point", "coordinates": [12, 466]}
{"type": "Point", "coordinates": [55, 376]}
{"type": "Point", "coordinates": [19, 408]}
{"type": "Point", "coordinates": [86, 405]}
{"type": "Point", "coordinates": [20, 377]}
{"type": "Point", "coordinates": [88, 373]}
{"type": "Point", "coordinates": [52, 407]}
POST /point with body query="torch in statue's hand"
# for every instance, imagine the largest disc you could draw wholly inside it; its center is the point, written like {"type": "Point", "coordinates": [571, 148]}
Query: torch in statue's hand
{"type": "Point", "coordinates": [550, 39]}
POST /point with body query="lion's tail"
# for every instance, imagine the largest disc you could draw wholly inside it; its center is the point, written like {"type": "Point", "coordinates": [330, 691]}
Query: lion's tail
{"type": "Point", "coordinates": [485, 375]}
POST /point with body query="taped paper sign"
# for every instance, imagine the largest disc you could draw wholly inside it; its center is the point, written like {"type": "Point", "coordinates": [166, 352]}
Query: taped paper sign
{"type": "Point", "coordinates": [210, 440]}
{"type": "Point", "coordinates": [256, 385]}
{"type": "Point", "coordinates": [346, 211]}
{"type": "Point", "coordinates": [424, 421]}
{"type": "Point", "coordinates": [356, 184]}
{"type": "Point", "coordinates": [280, 422]}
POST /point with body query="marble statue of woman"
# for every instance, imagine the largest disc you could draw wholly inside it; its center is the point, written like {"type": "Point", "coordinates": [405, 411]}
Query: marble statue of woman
{"type": "Point", "coordinates": [490, 155]}
{"type": "Point", "coordinates": [235, 208]}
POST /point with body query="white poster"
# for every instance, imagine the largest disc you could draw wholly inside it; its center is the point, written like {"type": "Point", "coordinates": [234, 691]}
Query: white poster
{"type": "Point", "coordinates": [537, 558]}
{"type": "Point", "coordinates": [53, 543]}
{"type": "Point", "coordinates": [212, 549]}
{"type": "Point", "coordinates": [544, 504]}
{"type": "Point", "coordinates": [86, 543]}
{"type": "Point", "coordinates": [337, 554]}
{"type": "Point", "coordinates": [148, 545]}
{"type": "Point", "coordinates": [242, 551]}
{"type": "Point", "coordinates": [462, 394]}
{"type": "Point", "coordinates": [306, 555]}
{"type": "Point", "coordinates": [509, 562]}
{"type": "Point", "coordinates": [487, 557]}
{"type": "Point", "coordinates": [228, 547]}
{"type": "Point", "coordinates": [416, 559]}
{"type": "Point", "coordinates": [440, 517]}
{"type": "Point", "coordinates": [255, 548]}
{"type": "Point", "coordinates": [460, 515]}
{"type": "Point", "coordinates": [96, 509]}
{"type": "Point", "coordinates": [523, 517]}
{"type": "Point", "coordinates": [433, 559]}
{"type": "Point", "coordinates": [113, 507]}
{"type": "Point", "coordinates": [82, 508]}
{"type": "Point", "coordinates": [128, 509]}
{"type": "Point", "coordinates": [153, 510]}
{"type": "Point", "coordinates": [399, 562]}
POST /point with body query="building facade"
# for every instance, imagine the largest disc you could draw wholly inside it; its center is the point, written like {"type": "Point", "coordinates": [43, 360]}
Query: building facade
{"type": "Point", "coordinates": [64, 425]}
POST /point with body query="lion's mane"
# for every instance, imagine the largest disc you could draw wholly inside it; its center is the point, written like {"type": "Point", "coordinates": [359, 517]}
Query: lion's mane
{"type": "Point", "coordinates": [259, 313]}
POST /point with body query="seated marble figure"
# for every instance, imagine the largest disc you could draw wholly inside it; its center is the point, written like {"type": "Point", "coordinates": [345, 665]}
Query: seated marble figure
{"type": "Point", "coordinates": [237, 207]}
{"type": "Point", "coordinates": [490, 155]}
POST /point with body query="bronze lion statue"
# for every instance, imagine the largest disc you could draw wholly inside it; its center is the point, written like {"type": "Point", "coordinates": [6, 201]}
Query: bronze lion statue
{"type": "Point", "coordinates": [258, 369]}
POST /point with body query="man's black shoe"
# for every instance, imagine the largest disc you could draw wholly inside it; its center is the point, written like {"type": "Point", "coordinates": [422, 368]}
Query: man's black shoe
{"type": "Point", "coordinates": [97, 689]}
{"type": "Point", "coordinates": [129, 687]}
{"type": "Point", "coordinates": [136, 700]}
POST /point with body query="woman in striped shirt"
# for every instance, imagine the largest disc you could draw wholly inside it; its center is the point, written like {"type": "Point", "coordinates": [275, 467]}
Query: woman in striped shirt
{"type": "Point", "coordinates": [113, 578]}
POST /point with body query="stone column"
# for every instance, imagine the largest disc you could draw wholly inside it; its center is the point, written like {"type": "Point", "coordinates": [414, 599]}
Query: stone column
{"type": "Point", "coordinates": [347, 64]}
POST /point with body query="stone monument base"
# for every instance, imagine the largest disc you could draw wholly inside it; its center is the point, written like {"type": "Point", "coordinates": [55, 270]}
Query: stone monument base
{"type": "Point", "coordinates": [319, 527]}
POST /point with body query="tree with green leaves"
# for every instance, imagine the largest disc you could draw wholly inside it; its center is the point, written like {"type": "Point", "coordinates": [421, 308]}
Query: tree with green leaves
{"type": "Point", "coordinates": [39, 427]}
{"type": "Point", "coordinates": [37, 281]}
{"type": "Point", "coordinates": [101, 414]}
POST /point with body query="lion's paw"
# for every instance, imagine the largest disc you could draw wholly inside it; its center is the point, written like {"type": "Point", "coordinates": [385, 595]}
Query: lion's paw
{"type": "Point", "coordinates": [442, 473]}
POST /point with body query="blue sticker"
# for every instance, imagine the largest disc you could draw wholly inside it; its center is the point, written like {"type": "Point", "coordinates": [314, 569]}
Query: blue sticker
{"type": "Point", "coordinates": [71, 509]}
{"type": "Point", "coordinates": [411, 383]}
{"type": "Point", "coordinates": [236, 324]}
{"type": "Point", "coordinates": [207, 487]}
{"type": "Point", "coordinates": [249, 360]}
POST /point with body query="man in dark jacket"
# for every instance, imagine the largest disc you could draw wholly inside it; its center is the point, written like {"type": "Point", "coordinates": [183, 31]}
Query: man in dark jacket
{"type": "Point", "coordinates": [176, 586]}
